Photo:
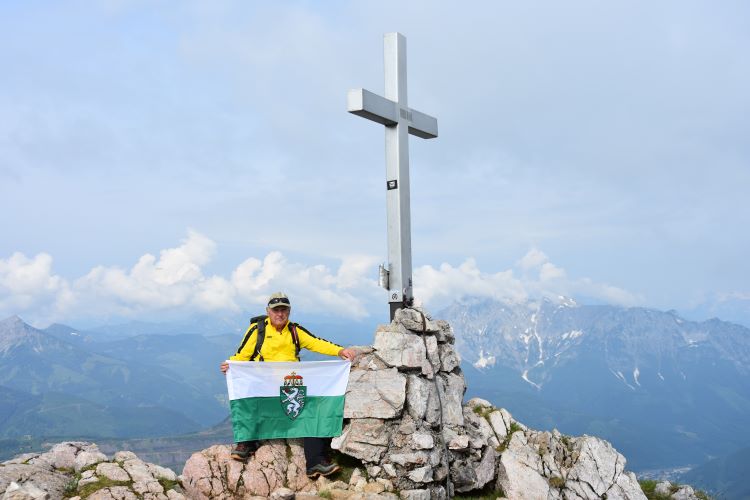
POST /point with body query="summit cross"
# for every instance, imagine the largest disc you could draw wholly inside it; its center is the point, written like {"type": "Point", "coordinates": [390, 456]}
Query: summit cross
{"type": "Point", "coordinates": [400, 121]}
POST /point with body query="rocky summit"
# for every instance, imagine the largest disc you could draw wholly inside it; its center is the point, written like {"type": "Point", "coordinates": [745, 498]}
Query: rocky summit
{"type": "Point", "coordinates": [406, 430]}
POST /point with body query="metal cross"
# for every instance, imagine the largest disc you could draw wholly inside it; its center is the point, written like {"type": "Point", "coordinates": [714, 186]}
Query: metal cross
{"type": "Point", "coordinates": [399, 120]}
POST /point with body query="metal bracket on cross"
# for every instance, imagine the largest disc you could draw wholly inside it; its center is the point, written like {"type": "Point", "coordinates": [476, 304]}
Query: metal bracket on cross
{"type": "Point", "coordinates": [400, 121]}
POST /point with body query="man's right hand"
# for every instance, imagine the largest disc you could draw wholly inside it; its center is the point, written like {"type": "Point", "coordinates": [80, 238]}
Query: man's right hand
{"type": "Point", "coordinates": [224, 367]}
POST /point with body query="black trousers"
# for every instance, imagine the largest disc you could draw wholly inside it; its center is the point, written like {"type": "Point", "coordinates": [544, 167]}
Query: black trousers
{"type": "Point", "coordinates": [316, 449]}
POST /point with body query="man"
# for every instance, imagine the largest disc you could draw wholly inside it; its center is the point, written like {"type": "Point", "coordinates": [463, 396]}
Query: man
{"type": "Point", "coordinates": [279, 345]}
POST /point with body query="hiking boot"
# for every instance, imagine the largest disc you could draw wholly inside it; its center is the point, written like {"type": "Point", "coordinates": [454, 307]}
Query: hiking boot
{"type": "Point", "coordinates": [242, 451]}
{"type": "Point", "coordinates": [324, 468]}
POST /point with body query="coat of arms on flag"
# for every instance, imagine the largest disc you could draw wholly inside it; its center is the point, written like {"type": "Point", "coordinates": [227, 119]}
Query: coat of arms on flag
{"type": "Point", "coordinates": [287, 399]}
{"type": "Point", "coordinates": [293, 395]}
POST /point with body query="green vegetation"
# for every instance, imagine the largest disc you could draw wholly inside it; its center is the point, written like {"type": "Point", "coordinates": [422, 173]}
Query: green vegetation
{"type": "Point", "coordinates": [88, 489]}
{"type": "Point", "coordinates": [168, 484]}
{"type": "Point", "coordinates": [556, 482]}
{"type": "Point", "coordinates": [482, 411]}
{"type": "Point", "coordinates": [649, 489]}
{"type": "Point", "coordinates": [71, 488]}
{"type": "Point", "coordinates": [514, 427]}
{"type": "Point", "coordinates": [325, 494]}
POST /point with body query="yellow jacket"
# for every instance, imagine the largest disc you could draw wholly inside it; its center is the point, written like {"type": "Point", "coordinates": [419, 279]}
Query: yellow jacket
{"type": "Point", "coordinates": [279, 346]}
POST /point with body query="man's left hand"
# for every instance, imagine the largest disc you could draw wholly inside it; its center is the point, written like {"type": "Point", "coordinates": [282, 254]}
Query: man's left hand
{"type": "Point", "coordinates": [348, 353]}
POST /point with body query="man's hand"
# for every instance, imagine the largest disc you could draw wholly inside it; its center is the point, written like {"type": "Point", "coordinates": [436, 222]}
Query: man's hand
{"type": "Point", "coordinates": [224, 367]}
{"type": "Point", "coordinates": [348, 353]}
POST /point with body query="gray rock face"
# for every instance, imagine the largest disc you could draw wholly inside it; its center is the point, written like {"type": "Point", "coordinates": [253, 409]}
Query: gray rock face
{"type": "Point", "coordinates": [402, 433]}
{"type": "Point", "coordinates": [375, 394]}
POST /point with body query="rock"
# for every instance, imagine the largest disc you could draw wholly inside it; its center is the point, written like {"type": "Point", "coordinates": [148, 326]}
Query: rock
{"type": "Point", "coordinates": [478, 428]}
{"type": "Point", "coordinates": [87, 458]}
{"type": "Point", "coordinates": [160, 472]}
{"type": "Point", "coordinates": [422, 441]}
{"type": "Point", "coordinates": [113, 493]}
{"type": "Point", "coordinates": [432, 364]}
{"type": "Point", "coordinates": [40, 474]}
{"type": "Point", "coordinates": [663, 488]}
{"type": "Point", "coordinates": [88, 477]}
{"type": "Point", "coordinates": [27, 491]}
{"type": "Point", "coordinates": [375, 394]}
{"type": "Point", "coordinates": [415, 320]}
{"type": "Point", "coordinates": [421, 474]}
{"type": "Point", "coordinates": [355, 477]}
{"type": "Point", "coordinates": [598, 465]}
{"type": "Point", "coordinates": [121, 456]}
{"type": "Point", "coordinates": [518, 475]}
{"type": "Point", "coordinates": [684, 493]}
{"type": "Point", "coordinates": [175, 495]}
{"type": "Point", "coordinates": [415, 494]}
{"type": "Point", "coordinates": [111, 471]}
{"type": "Point", "coordinates": [459, 443]}
{"type": "Point", "coordinates": [449, 357]}
{"type": "Point", "coordinates": [376, 487]}
{"type": "Point", "coordinates": [444, 333]}
{"type": "Point", "coordinates": [421, 399]}
{"type": "Point", "coordinates": [400, 350]}
{"type": "Point", "coordinates": [452, 388]}
{"type": "Point", "coordinates": [365, 439]}
{"type": "Point", "coordinates": [211, 473]}
{"type": "Point", "coordinates": [282, 494]}
{"type": "Point", "coordinates": [497, 422]}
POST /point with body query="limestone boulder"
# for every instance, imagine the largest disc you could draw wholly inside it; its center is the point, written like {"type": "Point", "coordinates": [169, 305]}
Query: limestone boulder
{"type": "Point", "coordinates": [400, 349]}
{"type": "Point", "coordinates": [416, 320]}
{"type": "Point", "coordinates": [212, 474]}
{"type": "Point", "coordinates": [375, 394]}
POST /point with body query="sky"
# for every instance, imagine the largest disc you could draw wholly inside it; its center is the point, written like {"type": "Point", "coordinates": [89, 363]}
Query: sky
{"type": "Point", "coordinates": [160, 159]}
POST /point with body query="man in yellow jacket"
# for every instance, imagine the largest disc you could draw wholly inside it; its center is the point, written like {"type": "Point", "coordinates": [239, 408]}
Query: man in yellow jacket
{"type": "Point", "coordinates": [282, 341]}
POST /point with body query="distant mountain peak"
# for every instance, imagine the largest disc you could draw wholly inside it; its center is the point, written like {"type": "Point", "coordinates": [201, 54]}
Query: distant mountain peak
{"type": "Point", "coordinates": [11, 321]}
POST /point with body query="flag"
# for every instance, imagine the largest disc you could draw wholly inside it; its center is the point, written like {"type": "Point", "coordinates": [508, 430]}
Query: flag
{"type": "Point", "coordinates": [273, 400]}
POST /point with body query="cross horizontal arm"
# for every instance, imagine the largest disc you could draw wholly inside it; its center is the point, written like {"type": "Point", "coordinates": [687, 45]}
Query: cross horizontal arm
{"type": "Point", "coordinates": [422, 125]}
{"type": "Point", "coordinates": [364, 103]}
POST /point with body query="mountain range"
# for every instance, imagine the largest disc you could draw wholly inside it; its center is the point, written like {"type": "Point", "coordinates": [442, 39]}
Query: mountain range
{"type": "Point", "coordinates": [63, 382]}
{"type": "Point", "coordinates": [666, 391]}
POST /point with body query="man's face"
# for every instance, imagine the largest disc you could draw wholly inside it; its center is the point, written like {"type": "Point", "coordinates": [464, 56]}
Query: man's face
{"type": "Point", "coordinates": [278, 316]}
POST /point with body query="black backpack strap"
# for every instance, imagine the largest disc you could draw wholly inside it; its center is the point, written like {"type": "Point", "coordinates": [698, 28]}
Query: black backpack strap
{"type": "Point", "coordinates": [295, 339]}
{"type": "Point", "coordinates": [248, 334]}
{"type": "Point", "coordinates": [260, 322]}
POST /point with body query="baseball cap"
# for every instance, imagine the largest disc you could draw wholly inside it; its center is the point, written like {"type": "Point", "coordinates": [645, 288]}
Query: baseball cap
{"type": "Point", "coordinates": [278, 299]}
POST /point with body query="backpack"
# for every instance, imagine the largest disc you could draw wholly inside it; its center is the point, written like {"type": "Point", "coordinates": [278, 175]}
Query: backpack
{"type": "Point", "coordinates": [260, 324]}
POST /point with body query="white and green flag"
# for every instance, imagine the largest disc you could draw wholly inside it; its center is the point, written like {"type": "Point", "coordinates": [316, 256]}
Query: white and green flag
{"type": "Point", "coordinates": [272, 400]}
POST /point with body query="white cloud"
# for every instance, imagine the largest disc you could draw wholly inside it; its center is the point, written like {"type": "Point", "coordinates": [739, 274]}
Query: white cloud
{"type": "Point", "coordinates": [29, 284]}
{"type": "Point", "coordinates": [534, 277]}
{"type": "Point", "coordinates": [175, 282]}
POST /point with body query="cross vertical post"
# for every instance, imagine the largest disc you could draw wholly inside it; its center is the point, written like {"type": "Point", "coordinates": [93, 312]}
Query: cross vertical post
{"type": "Point", "coordinates": [400, 121]}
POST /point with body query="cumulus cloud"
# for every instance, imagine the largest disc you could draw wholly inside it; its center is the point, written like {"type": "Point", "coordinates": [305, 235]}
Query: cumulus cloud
{"type": "Point", "coordinates": [29, 283]}
{"type": "Point", "coordinates": [533, 277]}
{"type": "Point", "coordinates": [175, 282]}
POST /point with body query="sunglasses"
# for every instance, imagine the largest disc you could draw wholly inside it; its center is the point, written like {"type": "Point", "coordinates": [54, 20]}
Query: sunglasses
{"type": "Point", "coordinates": [282, 300]}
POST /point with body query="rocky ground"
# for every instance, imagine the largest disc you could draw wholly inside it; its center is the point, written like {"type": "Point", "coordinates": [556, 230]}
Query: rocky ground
{"type": "Point", "coordinates": [407, 433]}
{"type": "Point", "coordinates": [79, 470]}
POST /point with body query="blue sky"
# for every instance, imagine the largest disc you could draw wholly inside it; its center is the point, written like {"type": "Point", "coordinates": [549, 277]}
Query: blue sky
{"type": "Point", "coordinates": [160, 158]}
